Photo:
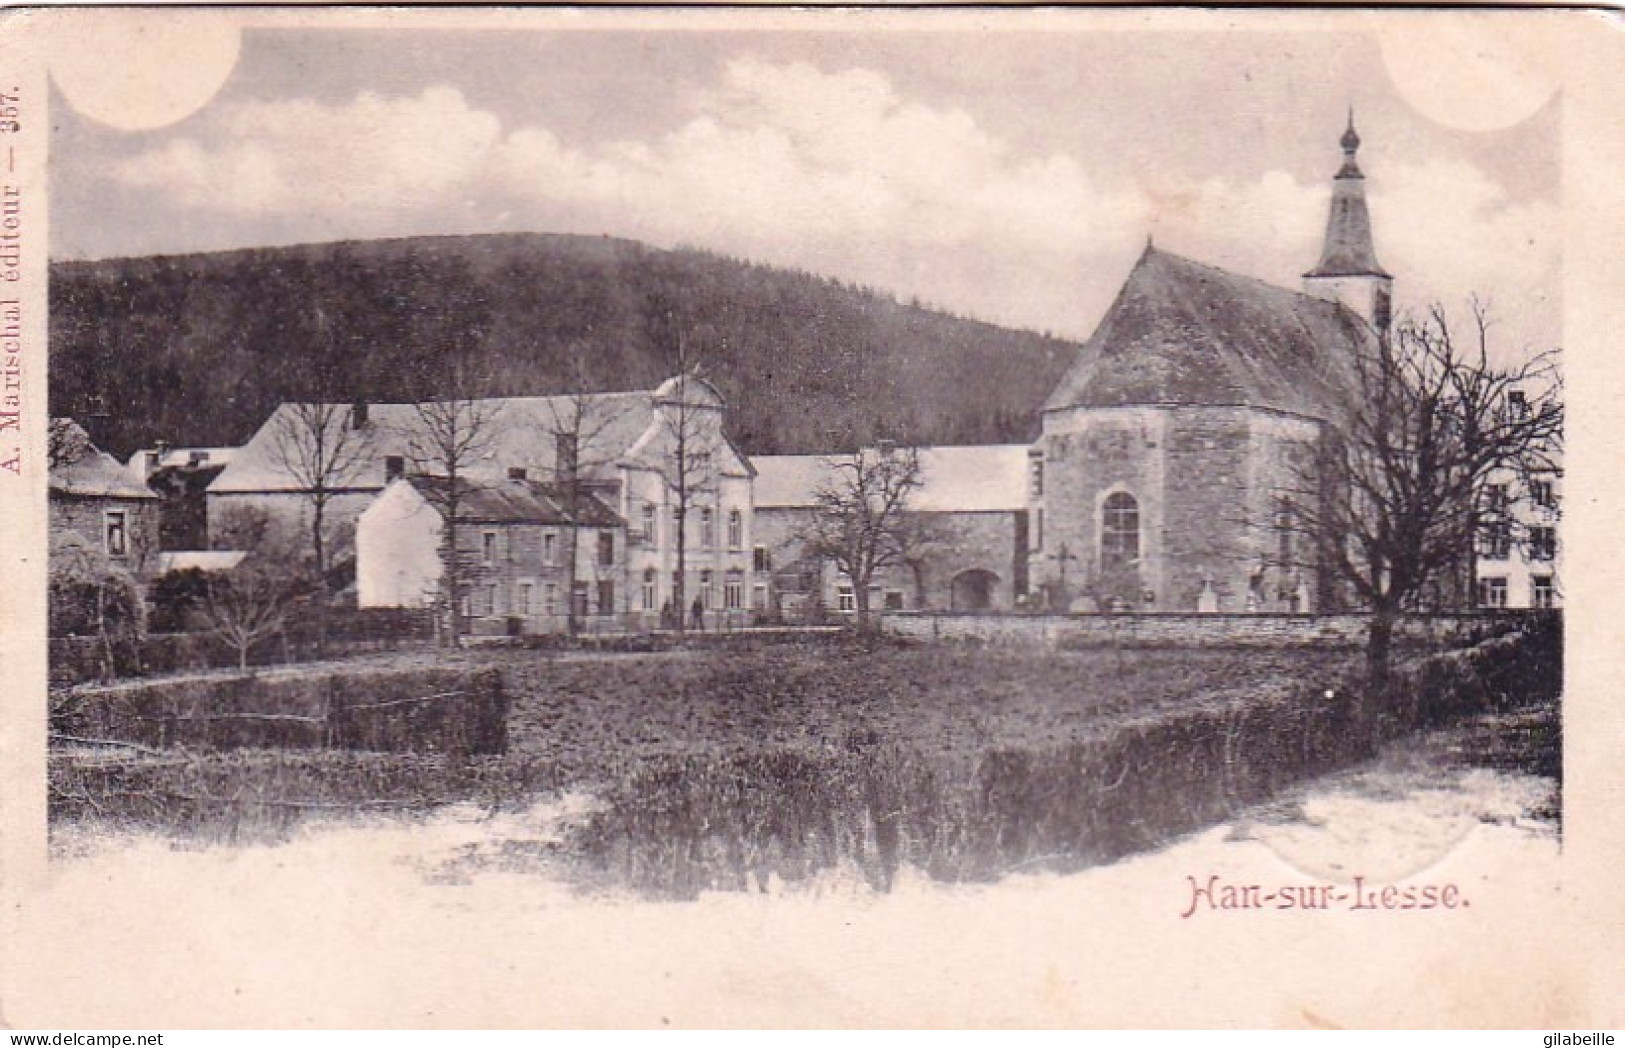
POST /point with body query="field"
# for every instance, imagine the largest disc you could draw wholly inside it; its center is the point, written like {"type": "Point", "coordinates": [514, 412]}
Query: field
{"type": "Point", "coordinates": [744, 766]}
{"type": "Point", "coordinates": [716, 766]}
{"type": "Point", "coordinates": [949, 705]}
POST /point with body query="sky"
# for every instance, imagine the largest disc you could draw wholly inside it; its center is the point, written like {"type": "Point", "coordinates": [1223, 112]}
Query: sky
{"type": "Point", "coordinates": [1007, 174]}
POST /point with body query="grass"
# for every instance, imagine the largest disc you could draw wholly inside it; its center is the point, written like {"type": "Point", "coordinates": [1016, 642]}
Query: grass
{"type": "Point", "coordinates": [735, 768]}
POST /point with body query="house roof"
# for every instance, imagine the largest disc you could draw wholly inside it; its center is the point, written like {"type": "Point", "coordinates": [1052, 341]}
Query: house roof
{"type": "Point", "coordinates": [968, 479]}
{"type": "Point", "coordinates": [1181, 332]}
{"type": "Point", "coordinates": [94, 473]}
{"type": "Point", "coordinates": [522, 430]}
{"type": "Point", "coordinates": [510, 501]}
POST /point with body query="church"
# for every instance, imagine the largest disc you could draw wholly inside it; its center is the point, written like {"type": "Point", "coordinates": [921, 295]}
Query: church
{"type": "Point", "coordinates": [1172, 451]}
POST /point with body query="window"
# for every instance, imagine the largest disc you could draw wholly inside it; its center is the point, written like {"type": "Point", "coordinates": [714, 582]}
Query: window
{"type": "Point", "coordinates": [894, 600]}
{"type": "Point", "coordinates": [488, 548]}
{"type": "Point", "coordinates": [651, 522]}
{"type": "Point", "coordinates": [733, 591]}
{"type": "Point", "coordinates": [705, 591]}
{"type": "Point", "coordinates": [708, 528]}
{"type": "Point", "coordinates": [736, 529]}
{"type": "Point", "coordinates": [578, 605]}
{"type": "Point", "coordinates": [1038, 528]}
{"type": "Point", "coordinates": [759, 560]}
{"type": "Point", "coordinates": [394, 466]}
{"type": "Point", "coordinates": [606, 597]}
{"type": "Point", "coordinates": [1518, 404]}
{"type": "Point", "coordinates": [1542, 495]}
{"type": "Point", "coordinates": [1542, 592]}
{"type": "Point", "coordinates": [522, 599]}
{"type": "Point", "coordinates": [758, 596]}
{"type": "Point", "coordinates": [606, 549]}
{"type": "Point", "coordinates": [1283, 533]}
{"type": "Point", "coordinates": [1120, 530]}
{"type": "Point", "coordinates": [1035, 468]}
{"type": "Point", "coordinates": [700, 464]}
{"type": "Point", "coordinates": [485, 600]}
{"type": "Point", "coordinates": [1542, 543]}
{"type": "Point", "coordinates": [651, 590]}
{"type": "Point", "coordinates": [116, 533]}
{"type": "Point", "coordinates": [1492, 592]}
{"type": "Point", "coordinates": [550, 547]}
{"type": "Point", "coordinates": [846, 599]}
{"type": "Point", "coordinates": [1495, 540]}
{"type": "Point", "coordinates": [1495, 498]}
{"type": "Point", "coordinates": [550, 598]}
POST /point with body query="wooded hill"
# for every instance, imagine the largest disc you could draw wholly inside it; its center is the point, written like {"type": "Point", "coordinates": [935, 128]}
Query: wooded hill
{"type": "Point", "coordinates": [198, 349]}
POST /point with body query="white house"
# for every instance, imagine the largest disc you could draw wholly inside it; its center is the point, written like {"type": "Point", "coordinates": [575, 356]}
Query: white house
{"type": "Point", "coordinates": [635, 451]}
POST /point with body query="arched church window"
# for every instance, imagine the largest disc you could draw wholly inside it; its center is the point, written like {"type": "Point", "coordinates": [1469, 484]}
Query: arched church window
{"type": "Point", "coordinates": [1120, 530]}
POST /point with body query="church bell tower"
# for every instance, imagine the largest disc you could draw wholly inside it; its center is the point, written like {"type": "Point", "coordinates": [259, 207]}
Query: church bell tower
{"type": "Point", "coordinates": [1348, 271]}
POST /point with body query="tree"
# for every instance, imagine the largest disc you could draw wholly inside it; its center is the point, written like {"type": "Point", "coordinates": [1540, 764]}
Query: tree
{"type": "Point", "coordinates": [1396, 501]}
{"type": "Point", "coordinates": [444, 440]}
{"type": "Point", "coordinates": [578, 424]}
{"type": "Point", "coordinates": [692, 437]}
{"type": "Point", "coordinates": [321, 448]}
{"type": "Point", "coordinates": [245, 606]}
{"type": "Point", "coordinates": [861, 523]}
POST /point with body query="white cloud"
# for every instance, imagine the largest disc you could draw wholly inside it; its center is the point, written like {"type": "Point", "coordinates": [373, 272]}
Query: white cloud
{"type": "Point", "coordinates": [304, 158]}
{"type": "Point", "coordinates": [840, 173]}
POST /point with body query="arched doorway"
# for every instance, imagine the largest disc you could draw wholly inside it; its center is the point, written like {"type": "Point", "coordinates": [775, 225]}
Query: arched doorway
{"type": "Point", "coordinates": [973, 590]}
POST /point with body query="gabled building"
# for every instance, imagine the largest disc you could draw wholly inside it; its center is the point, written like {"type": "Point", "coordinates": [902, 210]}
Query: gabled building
{"type": "Point", "coordinates": [642, 454]}
{"type": "Point", "coordinates": [515, 538]}
{"type": "Point", "coordinates": [180, 477]}
{"type": "Point", "coordinates": [94, 501]}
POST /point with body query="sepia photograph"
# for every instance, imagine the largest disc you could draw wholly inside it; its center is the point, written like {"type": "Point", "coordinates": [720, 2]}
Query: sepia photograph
{"type": "Point", "coordinates": [824, 518]}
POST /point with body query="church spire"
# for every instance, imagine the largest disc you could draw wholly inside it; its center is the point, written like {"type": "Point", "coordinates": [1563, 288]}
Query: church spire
{"type": "Point", "coordinates": [1348, 250]}
{"type": "Point", "coordinates": [1348, 270]}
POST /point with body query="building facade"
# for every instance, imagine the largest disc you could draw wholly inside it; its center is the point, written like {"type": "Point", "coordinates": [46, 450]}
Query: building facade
{"type": "Point", "coordinates": [1520, 556]}
{"type": "Point", "coordinates": [515, 541]}
{"type": "Point", "coordinates": [968, 519]}
{"type": "Point", "coordinates": [651, 457]}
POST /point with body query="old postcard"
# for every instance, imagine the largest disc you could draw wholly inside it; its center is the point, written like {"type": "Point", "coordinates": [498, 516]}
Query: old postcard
{"type": "Point", "coordinates": [809, 518]}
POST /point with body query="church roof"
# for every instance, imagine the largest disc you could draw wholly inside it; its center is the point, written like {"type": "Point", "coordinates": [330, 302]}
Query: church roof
{"type": "Point", "coordinates": [1181, 332]}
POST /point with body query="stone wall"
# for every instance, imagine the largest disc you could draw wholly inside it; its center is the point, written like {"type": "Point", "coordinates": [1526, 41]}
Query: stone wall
{"type": "Point", "coordinates": [87, 518]}
{"type": "Point", "coordinates": [1182, 630]}
{"type": "Point", "coordinates": [1208, 483]}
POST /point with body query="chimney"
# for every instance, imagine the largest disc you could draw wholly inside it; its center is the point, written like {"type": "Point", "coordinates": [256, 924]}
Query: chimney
{"type": "Point", "coordinates": [516, 473]}
{"type": "Point", "coordinates": [358, 414]}
{"type": "Point", "coordinates": [394, 467]}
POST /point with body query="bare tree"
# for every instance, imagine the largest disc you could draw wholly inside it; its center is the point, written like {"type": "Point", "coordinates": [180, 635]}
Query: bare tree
{"type": "Point", "coordinates": [578, 424]}
{"type": "Point", "coordinates": [245, 606]}
{"type": "Point", "coordinates": [322, 447]}
{"type": "Point", "coordinates": [862, 524]}
{"type": "Point", "coordinates": [445, 439]}
{"type": "Point", "coordinates": [1398, 499]}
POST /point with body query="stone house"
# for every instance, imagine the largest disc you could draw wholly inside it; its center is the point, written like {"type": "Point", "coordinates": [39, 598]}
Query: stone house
{"type": "Point", "coordinates": [180, 477]}
{"type": "Point", "coordinates": [632, 451]}
{"type": "Point", "coordinates": [95, 501]}
{"type": "Point", "coordinates": [514, 539]}
{"type": "Point", "coordinates": [969, 512]}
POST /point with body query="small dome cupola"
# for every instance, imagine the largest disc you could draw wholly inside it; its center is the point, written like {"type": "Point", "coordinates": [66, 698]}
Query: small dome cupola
{"type": "Point", "coordinates": [1351, 145]}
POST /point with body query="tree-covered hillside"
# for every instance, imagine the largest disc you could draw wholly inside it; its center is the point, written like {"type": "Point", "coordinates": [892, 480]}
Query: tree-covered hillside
{"type": "Point", "coordinates": [198, 349]}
